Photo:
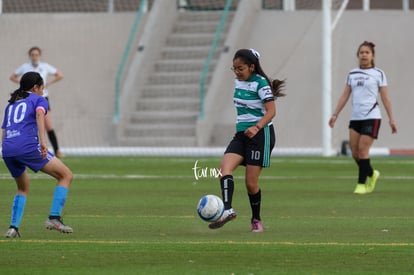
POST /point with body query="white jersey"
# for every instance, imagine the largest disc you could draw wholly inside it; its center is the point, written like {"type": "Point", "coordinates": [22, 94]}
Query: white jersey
{"type": "Point", "coordinates": [44, 69]}
{"type": "Point", "coordinates": [365, 84]}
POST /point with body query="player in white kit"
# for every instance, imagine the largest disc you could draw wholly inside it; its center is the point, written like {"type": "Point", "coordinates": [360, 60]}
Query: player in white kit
{"type": "Point", "coordinates": [363, 85]}
{"type": "Point", "coordinates": [44, 69]}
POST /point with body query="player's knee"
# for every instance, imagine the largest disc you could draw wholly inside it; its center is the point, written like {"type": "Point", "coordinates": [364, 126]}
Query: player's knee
{"type": "Point", "coordinates": [225, 170]}
{"type": "Point", "coordinates": [69, 176]}
{"type": "Point", "coordinates": [65, 176]}
{"type": "Point", "coordinates": [363, 153]}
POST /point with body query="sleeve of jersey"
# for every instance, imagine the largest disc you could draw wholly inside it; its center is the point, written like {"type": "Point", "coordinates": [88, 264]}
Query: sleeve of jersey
{"type": "Point", "coordinates": [42, 105]}
{"type": "Point", "coordinates": [383, 80]}
{"type": "Point", "coordinates": [348, 80]}
{"type": "Point", "coordinates": [19, 71]}
{"type": "Point", "coordinates": [51, 69]}
{"type": "Point", "coordinates": [265, 93]}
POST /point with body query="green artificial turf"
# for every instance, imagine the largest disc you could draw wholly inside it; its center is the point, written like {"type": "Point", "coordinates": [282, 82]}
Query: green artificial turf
{"type": "Point", "coordinates": [138, 216]}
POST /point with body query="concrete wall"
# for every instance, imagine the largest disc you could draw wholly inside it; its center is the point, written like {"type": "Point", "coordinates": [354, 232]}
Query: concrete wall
{"type": "Point", "coordinates": [87, 48]}
{"type": "Point", "coordinates": [290, 46]}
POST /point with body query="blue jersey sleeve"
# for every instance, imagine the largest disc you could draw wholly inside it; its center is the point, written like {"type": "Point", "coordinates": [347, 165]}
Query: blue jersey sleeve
{"type": "Point", "coordinates": [42, 103]}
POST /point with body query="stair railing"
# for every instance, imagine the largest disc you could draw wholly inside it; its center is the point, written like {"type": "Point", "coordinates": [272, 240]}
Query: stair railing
{"type": "Point", "coordinates": [210, 56]}
{"type": "Point", "coordinates": [143, 6]}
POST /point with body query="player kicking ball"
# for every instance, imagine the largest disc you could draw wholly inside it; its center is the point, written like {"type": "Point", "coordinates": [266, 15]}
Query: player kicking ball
{"type": "Point", "coordinates": [254, 97]}
{"type": "Point", "coordinates": [24, 145]}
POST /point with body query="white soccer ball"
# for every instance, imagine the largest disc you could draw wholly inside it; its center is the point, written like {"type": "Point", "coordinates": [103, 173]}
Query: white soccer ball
{"type": "Point", "coordinates": [210, 208]}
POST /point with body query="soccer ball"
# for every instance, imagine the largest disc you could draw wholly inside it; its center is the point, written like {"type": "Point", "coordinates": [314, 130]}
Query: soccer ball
{"type": "Point", "coordinates": [210, 208]}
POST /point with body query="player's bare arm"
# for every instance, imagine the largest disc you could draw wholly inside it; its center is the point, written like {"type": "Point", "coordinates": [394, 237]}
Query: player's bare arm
{"type": "Point", "coordinates": [58, 77]}
{"type": "Point", "coordinates": [341, 104]}
{"type": "Point", "coordinates": [270, 108]}
{"type": "Point", "coordinates": [388, 108]}
{"type": "Point", "coordinates": [15, 78]}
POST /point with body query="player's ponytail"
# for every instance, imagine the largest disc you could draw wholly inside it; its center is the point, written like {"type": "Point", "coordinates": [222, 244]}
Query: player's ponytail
{"type": "Point", "coordinates": [17, 94]}
{"type": "Point", "coordinates": [27, 82]}
{"type": "Point", "coordinates": [251, 56]}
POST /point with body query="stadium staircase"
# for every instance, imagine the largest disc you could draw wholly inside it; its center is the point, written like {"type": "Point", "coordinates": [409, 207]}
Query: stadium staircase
{"type": "Point", "coordinates": [166, 113]}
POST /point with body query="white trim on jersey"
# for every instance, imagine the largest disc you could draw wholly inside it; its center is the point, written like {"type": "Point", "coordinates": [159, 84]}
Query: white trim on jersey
{"type": "Point", "coordinates": [246, 85]}
{"type": "Point", "coordinates": [251, 104]}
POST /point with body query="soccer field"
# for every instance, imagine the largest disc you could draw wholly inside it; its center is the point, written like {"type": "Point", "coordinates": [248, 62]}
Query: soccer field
{"type": "Point", "coordinates": [138, 216]}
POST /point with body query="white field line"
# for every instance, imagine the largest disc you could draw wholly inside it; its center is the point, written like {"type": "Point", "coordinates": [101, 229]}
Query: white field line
{"type": "Point", "coordinates": [195, 243]}
{"type": "Point", "coordinates": [180, 217]}
{"type": "Point", "coordinates": [191, 177]}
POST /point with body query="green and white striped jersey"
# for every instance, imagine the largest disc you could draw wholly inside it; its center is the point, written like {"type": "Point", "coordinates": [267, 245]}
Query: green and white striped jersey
{"type": "Point", "coordinates": [249, 98]}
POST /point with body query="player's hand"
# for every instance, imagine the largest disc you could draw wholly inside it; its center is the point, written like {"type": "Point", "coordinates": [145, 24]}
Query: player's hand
{"type": "Point", "coordinates": [393, 127]}
{"type": "Point", "coordinates": [332, 120]}
{"type": "Point", "coordinates": [251, 131]}
{"type": "Point", "coordinates": [43, 150]}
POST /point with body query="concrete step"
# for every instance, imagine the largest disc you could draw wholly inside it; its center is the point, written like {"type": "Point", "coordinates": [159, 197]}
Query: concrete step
{"type": "Point", "coordinates": [183, 53]}
{"type": "Point", "coordinates": [168, 104]}
{"type": "Point", "coordinates": [168, 90]}
{"type": "Point", "coordinates": [158, 141]}
{"type": "Point", "coordinates": [160, 130]}
{"type": "Point", "coordinates": [160, 117]}
{"type": "Point", "coordinates": [195, 27]}
{"type": "Point", "coordinates": [200, 16]}
{"type": "Point", "coordinates": [179, 78]}
{"type": "Point", "coordinates": [191, 40]}
{"type": "Point", "coordinates": [178, 65]}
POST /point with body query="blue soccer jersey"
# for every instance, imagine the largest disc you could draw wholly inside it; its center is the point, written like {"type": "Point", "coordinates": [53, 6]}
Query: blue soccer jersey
{"type": "Point", "coordinates": [19, 124]}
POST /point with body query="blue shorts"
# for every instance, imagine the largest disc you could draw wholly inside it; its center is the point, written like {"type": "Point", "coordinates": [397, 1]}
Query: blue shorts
{"type": "Point", "coordinates": [17, 165]}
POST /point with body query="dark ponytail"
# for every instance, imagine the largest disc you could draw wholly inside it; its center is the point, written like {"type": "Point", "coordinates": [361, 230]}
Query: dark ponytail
{"type": "Point", "coordinates": [251, 56]}
{"type": "Point", "coordinates": [27, 82]}
{"type": "Point", "coordinates": [17, 95]}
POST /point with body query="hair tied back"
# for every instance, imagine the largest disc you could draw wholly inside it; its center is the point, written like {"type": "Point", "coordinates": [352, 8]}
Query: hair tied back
{"type": "Point", "coordinates": [372, 44]}
{"type": "Point", "coordinates": [255, 53]}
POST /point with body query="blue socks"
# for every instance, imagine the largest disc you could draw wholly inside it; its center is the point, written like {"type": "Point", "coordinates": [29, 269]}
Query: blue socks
{"type": "Point", "coordinates": [19, 203]}
{"type": "Point", "coordinates": [59, 200]}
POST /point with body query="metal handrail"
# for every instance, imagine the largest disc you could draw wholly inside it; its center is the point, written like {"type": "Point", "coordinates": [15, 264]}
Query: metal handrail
{"type": "Point", "coordinates": [210, 57]}
{"type": "Point", "coordinates": [142, 7]}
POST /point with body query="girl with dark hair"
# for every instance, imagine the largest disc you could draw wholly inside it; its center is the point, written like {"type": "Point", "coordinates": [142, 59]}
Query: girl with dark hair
{"type": "Point", "coordinates": [364, 84]}
{"type": "Point", "coordinates": [254, 140]}
{"type": "Point", "coordinates": [24, 145]}
{"type": "Point", "coordinates": [44, 69]}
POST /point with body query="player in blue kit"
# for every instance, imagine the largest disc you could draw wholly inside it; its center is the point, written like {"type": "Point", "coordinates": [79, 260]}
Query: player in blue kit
{"type": "Point", "coordinates": [24, 145]}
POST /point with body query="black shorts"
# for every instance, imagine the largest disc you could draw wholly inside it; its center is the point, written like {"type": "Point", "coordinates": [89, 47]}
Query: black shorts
{"type": "Point", "coordinates": [255, 151]}
{"type": "Point", "coordinates": [369, 127]}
